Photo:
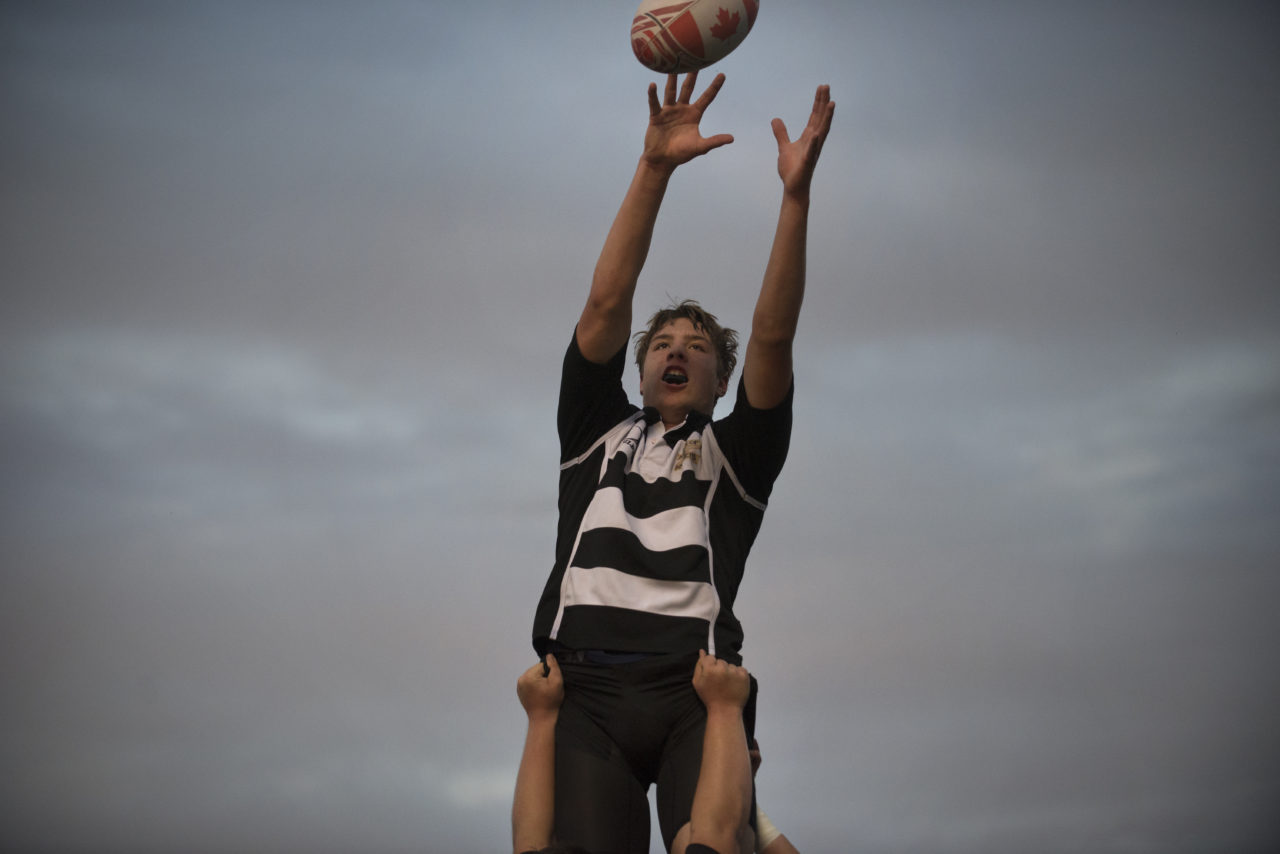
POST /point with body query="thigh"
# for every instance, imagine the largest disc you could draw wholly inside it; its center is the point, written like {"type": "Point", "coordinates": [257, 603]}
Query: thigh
{"type": "Point", "coordinates": [678, 775]}
{"type": "Point", "coordinates": [599, 803]}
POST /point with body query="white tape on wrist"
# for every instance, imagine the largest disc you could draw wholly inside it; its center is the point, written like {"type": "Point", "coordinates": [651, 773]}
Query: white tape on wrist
{"type": "Point", "coordinates": [765, 831]}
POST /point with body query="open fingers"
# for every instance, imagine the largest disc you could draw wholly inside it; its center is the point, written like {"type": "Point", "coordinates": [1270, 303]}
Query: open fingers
{"type": "Point", "coordinates": [686, 91]}
{"type": "Point", "coordinates": [715, 142]}
{"type": "Point", "coordinates": [780, 131]}
{"type": "Point", "coordinates": [823, 110]}
{"type": "Point", "coordinates": [705, 99]}
{"type": "Point", "coordinates": [669, 96]}
{"type": "Point", "coordinates": [820, 99]}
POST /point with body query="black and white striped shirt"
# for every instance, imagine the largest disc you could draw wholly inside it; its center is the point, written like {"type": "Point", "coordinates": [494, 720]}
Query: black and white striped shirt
{"type": "Point", "coordinates": [655, 524]}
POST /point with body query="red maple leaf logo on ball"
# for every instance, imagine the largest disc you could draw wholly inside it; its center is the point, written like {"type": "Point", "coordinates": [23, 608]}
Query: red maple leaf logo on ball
{"type": "Point", "coordinates": [726, 25]}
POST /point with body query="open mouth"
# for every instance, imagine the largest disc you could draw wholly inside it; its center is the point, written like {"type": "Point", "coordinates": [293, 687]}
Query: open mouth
{"type": "Point", "coordinates": [674, 377]}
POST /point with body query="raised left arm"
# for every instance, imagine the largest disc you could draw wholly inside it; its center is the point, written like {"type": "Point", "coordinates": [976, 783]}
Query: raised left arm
{"type": "Point", "coordinates": [766, 369]}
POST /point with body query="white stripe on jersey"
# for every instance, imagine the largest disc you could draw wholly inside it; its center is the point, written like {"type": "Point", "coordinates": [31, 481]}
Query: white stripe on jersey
{"type": "Point", "coordinates": [680, 526]}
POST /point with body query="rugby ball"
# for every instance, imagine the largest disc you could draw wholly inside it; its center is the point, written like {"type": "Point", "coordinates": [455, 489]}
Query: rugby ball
{"type": "Point", "coordinates": [673, 37]}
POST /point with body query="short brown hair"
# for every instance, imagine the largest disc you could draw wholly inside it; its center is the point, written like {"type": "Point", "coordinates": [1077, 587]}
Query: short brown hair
{"type": "Point", "coordinates": [725, 341]}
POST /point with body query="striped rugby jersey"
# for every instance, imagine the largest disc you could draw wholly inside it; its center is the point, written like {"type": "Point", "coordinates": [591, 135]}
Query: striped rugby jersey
{"type": "Point", "coordinates": [655, 524]}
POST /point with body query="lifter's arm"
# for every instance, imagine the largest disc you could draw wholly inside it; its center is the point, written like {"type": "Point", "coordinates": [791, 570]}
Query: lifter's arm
{"type": "Point", "coordinates": [721, 802]}
{"type": "Point", "coordinates": [541, 690]}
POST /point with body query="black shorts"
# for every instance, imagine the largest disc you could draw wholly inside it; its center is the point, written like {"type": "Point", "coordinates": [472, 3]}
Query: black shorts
{"type": "Point", "coordinates": [623, 727]}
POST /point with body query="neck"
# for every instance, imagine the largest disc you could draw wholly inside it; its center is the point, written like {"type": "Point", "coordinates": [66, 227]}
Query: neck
{"type": "Point", "coordinates": [673, 415]}
{"type": "Point", "coordinates": [672, 418]}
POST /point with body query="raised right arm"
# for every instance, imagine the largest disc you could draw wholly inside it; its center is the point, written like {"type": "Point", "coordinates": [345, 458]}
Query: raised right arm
{"type": "Point", "coordinates": [671, 139]}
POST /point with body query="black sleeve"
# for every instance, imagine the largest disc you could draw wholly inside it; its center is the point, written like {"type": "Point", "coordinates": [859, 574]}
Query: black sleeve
{"type": "Point", "coordinates": [756, 441]}
{"type": "Point", "coordinates": [591, 399]}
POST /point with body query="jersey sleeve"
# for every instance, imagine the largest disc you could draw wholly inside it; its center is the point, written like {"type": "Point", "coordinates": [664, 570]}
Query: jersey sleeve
{"type": "Point", "coordinates": [756, 441]}
{"type": "Point", "coordinates": [592, 399]}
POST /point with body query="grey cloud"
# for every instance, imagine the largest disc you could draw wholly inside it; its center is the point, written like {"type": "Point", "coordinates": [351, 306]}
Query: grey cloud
{"type": "Point", "coordinates": [287, 287]}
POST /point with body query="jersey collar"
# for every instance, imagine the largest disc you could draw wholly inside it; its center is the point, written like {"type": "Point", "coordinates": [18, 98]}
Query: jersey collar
{"type": "Point", "coordinates": [693, 423]}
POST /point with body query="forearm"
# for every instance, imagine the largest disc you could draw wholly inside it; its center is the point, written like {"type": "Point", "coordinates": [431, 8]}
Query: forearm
{"type": "Point", "coordinates": [782, 292]}
{"type": "Point", "coordinates": [606, 320]}
{"type": "Point", "coordinates": [723, 796]}
{"type": "Point", "coordinates": [767, 367]}
{"type": "Point", "coordinates": [533, 809]}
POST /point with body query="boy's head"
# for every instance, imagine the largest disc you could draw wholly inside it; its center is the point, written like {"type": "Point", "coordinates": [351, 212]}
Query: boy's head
{"type": "Point", "coordinates": [685, 359]}
{"type": "Point", "coordinates": [723, 341]}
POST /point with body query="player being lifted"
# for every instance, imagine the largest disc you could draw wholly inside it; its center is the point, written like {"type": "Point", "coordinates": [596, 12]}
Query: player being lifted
{"type": "Point", "coordinates": [659, 505]}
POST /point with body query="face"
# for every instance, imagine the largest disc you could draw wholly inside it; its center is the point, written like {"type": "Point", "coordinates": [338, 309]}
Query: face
{"type": "Point", "coordinates": [679, 372]}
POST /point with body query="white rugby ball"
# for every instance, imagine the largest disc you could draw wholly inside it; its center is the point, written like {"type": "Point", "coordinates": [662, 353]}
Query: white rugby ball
{"type": "Point", "coordinates": [674, 37]}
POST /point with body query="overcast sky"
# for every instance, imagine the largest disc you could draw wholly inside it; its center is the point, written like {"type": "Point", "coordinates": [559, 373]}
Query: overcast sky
{"type": "Point", "coordinates": [286, 288]}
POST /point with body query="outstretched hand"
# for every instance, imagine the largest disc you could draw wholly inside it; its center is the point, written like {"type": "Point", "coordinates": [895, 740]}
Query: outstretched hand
{"type": "Point", "coordinates": [797, 159]}
{"type": "Point", "coordinates": [541, 688]}
{"type": "Point", "coordinates": [673, 136]}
